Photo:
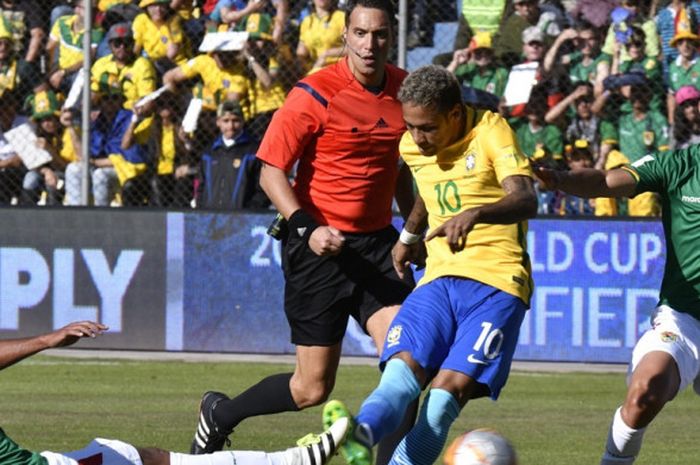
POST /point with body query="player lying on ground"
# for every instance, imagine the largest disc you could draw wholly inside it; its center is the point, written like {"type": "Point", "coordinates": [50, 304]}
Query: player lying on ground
{"type": "Point", "coordinates": [316, 449]}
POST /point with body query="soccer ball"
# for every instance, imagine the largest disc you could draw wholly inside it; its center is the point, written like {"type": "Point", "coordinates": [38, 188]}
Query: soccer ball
{"type": "Point", "coordinates": [480, 447]}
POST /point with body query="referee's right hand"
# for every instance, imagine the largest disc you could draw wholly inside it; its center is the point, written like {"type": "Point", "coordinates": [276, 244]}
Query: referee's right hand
{"type": "Point", "coordinates": [326, 240]}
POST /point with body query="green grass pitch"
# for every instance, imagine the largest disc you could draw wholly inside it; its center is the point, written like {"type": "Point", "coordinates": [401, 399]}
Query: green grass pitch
{"type": "Point", "coordinates": [51, 403]}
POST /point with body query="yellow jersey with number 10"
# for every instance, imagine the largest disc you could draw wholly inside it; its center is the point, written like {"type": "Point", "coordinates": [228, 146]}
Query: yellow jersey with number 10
{"type": "Point", "coordinates": [466, 175]}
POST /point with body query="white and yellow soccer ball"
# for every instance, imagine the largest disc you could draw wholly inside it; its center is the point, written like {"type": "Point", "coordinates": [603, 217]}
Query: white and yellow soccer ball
{"type": "Point", "coordinates": [480, 447]}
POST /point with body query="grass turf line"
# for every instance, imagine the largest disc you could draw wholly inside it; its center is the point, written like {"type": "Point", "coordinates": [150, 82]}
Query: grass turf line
{"type": "Point", "coordinates": [59, 404]}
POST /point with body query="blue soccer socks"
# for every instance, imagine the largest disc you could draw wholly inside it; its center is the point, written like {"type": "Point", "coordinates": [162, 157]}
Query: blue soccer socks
{"type": "Point", "coordinates": [427, 438]}
{"type": "Point", "coordinates": [386, 406]}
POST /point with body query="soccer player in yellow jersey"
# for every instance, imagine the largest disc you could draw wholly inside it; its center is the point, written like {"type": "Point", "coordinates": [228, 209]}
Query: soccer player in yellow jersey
{"type": "Point", "coordinates": [459, 327]}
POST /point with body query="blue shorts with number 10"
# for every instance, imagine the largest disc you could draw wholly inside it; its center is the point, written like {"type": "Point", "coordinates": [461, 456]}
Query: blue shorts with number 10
{"type": "Point", "coordinates": [459, 324]}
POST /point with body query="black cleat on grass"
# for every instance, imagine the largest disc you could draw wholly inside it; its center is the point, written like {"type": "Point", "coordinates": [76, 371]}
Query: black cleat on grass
{"type": "Point", "coordinates": [209, 438]}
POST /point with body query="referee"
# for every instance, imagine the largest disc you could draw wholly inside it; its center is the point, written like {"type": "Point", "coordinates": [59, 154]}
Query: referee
{"type": "Point", "coordinates": [341, 127]}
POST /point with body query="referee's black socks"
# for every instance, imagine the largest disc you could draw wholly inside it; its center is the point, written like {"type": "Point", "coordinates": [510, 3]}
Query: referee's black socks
{"type": "Point", "coordinates": [271, 395]}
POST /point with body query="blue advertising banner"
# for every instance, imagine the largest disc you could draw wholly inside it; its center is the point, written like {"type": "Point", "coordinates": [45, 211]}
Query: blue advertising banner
{"type": "Point", "coordinates": [596, 283]}
{"type": "Point", "coordinates": [193, 281]}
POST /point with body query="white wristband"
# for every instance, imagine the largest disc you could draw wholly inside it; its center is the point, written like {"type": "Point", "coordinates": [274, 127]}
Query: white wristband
{"type": "Point", "coordinates": [408, 238]}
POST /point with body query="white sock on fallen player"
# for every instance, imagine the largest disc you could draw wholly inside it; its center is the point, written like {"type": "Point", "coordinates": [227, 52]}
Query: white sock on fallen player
{"type": "Point", "coordinates": [237, 457]}
{"type": "Point", "coordinates": [624, 443]}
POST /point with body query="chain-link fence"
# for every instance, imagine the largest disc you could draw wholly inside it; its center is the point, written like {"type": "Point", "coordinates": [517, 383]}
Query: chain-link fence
{"type": "Point", "coordinates": [174, 82]}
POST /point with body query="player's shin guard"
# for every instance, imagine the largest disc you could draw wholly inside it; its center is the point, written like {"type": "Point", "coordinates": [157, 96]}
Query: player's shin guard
{"type": "Point", "coordinates": [624, 443]}
{"type": "Point", "coordinates": [385, 407]}
{"type": "Point", "coordinates": [423, 444]}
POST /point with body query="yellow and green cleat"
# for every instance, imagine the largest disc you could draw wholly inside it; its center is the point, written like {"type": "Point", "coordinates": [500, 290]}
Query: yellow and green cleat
{"type": "Point", "coordinates": [353, 451]}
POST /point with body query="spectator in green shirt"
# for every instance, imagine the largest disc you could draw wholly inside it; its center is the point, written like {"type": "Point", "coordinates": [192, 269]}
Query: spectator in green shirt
{"type": "Point", "coordinates": [599, 133]}
{"type": "Point", "coordinates": [584, 63]}
{"type": "Point", "coordinates": [685, 69]}
{"type": "Point", "coordinates": [643, 131]}
{"type": "Point", "coordinates": [542, 143]}
{"type": "Point", "coordinates": [475, 66]}
{"type": "Point", "coordinates": [686, 130]}
{"type": "Point", "coordinates": [639, 62]}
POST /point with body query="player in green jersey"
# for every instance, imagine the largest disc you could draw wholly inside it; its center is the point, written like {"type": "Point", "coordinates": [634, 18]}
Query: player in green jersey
{"type": "Point", "coordinates": [666, 359]}
{"type": "Point", "coordinates": [313, 449]}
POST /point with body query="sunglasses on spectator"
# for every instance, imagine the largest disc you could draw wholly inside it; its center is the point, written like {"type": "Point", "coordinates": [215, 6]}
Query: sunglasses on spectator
{"type": "Point", "coordinates": [535, 43]}
{"type": "Point", "coordinates": [690, 103]}
{"type": "Point", "coordinates": [685, 41]}
{"type": "Point", "coordinates": [116, 43]}
{"type": "Point", "coordinates": [526, 3]}
{"type": "Point", "coordinates": [637, 44]}
{"type": "Point", "coordinates": [583, 41]}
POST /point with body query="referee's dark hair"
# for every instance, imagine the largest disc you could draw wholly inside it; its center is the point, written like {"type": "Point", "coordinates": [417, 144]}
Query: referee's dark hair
{"type": "Point", "coordinates": [385, 5]}
{"type": "Point", "coordinates": [431, 86]}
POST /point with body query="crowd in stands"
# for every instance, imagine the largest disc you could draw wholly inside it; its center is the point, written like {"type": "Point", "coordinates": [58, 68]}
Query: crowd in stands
{"type": "Point", "coordinates": [614, 80]}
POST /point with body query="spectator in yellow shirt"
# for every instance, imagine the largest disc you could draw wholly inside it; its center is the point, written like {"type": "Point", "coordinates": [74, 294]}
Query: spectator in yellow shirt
{"type": "Point", "coordinates": [65, 47]}
{"type": "Point", "coordinates": [321, 36]}
{"type": "Point", "coordinates": [51, 137]}
{"type": "Point", "coordinates": [269, 68]}
{"type": "Point", "coordinates": [159, 35]}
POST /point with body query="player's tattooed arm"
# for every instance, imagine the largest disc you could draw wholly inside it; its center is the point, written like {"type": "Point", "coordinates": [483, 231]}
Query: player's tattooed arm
{"type": "Point", "coordinates": [520, 194]}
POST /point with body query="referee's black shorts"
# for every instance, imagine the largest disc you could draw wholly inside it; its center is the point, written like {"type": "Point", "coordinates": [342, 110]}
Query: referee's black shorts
{"type": "Point", "coordinates": [321, 293]}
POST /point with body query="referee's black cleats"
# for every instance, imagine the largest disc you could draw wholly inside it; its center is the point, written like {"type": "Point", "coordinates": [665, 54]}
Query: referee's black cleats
{"type": "Point", "coordinates": [209, 437]}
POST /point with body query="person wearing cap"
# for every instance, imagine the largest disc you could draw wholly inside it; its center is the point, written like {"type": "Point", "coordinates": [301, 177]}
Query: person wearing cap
{"type": "Point", "coordinates": [158, 34]}
{"type": "Point", "coordinates": [623, 18]}
{"type": "Point", "coordinates": [507, 42]}
{"type": "Point", "coordinates": [640, 63]}
{"type": "Point", "coordinates": [666, 25]}
{"type": "Point", "coordinates": [65, 47]}
{"type": "Point", "coordinates": [229, 172]}
{"type": "Point", "coordinates": [685, 69]}
{"type": "Point", "coordinates": [578, 155]}
{"type": "Point", "coordinates": [133, 74]}
{"type": "Point", "coordinates": [321, 36]}
{"type": "Point", "coordinates": [117, 82]}
{"type": "Point", "coordinates": [51, 136]}
{"type": "Point", "coordinates": [686, 128]}
{"type": "Point", "coordinates": [475, 66]}
{"type": "Point", "coordinates": [271, 70]}
{"type": "Point", "coordinates": [550, 84]}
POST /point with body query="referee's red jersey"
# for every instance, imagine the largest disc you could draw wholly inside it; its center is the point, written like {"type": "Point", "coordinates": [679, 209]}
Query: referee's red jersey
{"type": "Point", "coordinates": [346, 141]}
